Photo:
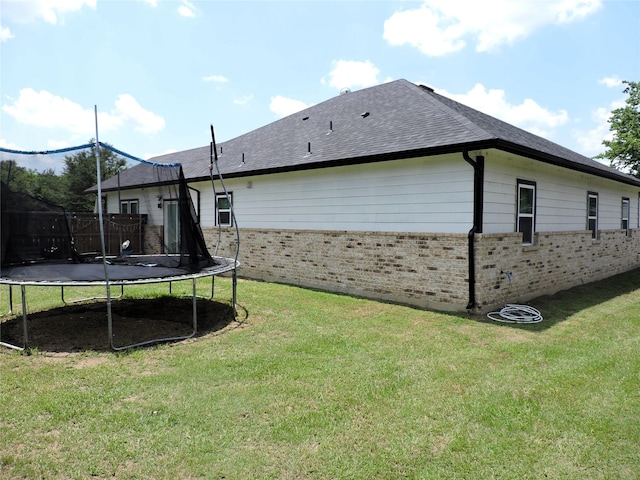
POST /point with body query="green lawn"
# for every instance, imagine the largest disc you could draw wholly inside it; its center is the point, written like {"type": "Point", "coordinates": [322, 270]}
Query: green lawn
{"type": "Point", "coordinates": [316, 385]}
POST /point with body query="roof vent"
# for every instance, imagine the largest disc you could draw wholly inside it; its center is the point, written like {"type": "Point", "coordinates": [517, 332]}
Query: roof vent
{"type": "Point", "coordinates": [345, 90]}
{"type": "Point", "coordinates": [305, 118]}
{"type": "Point", "coordinates": [429, 89]}
{"type": "Point", "coordinates": [364, 114]}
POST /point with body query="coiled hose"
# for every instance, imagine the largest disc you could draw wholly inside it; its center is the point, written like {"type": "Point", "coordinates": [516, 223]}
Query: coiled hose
{"type": "Point", "coordinates": [512, 313]}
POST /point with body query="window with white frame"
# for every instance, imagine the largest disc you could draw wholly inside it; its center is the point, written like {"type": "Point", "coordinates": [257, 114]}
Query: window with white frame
{"type": "Point", "coordinates": [223, 209]}
{"type": "Point", "coordinates": [592, 214]}
{"type": "Point", "coordinates": [625, 215]}
{"type": "Point", "coordinates": [129, 206]}
{"type": "Point", "coordinates": [526, 218]}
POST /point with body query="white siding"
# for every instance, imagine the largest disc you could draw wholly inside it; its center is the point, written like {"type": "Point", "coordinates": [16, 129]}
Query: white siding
{"type": "Point", "coordinates": [561, 196]}
{"type": "Point", "coordinates": [427, 195]}
{"type": "Point", "coordinates": [148, 201]}
{"type": "Point", "coordinates": [418, 195]}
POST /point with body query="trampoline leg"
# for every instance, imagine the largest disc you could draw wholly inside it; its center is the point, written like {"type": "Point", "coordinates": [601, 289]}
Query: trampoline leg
{"type": "Point", "coordinates": [234, 283]}
{"type": "Point", "coordinates": [195, 307]}
{"type": "Point", "coordinates": [24, 315]}
{"type": "Point", "coordinates": [24, 322]}
{"type": "Point", "coordinates": [10, 299]}
{"type": "Point", "coordinates": [110, 325]}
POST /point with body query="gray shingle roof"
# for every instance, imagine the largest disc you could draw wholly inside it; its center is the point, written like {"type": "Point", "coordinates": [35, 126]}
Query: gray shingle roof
{"type": "Point", "coordinates": [390, 121]}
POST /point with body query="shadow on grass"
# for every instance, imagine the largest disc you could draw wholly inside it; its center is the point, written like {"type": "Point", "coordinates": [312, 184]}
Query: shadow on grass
{"type": "Point", "coordinates": [562, 305]}
{"type": "Point", "coordinates": [84, 327]}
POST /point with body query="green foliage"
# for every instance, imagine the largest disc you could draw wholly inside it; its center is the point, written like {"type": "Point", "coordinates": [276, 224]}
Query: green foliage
{"type": "Point", "coordinates": [80, 174]}
{"type": "Point", "coordinates": [69, 188]}
{"type": "Point", "coordinates": [43, 185]}
{"type": "Point", "coordinates": [623, 151]}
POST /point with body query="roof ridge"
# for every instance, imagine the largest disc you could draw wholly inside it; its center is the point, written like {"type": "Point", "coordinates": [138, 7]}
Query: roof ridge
{"type": "Point", "coordinates": [462, 119]}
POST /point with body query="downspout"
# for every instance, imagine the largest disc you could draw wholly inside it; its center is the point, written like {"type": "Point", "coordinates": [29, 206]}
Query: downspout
{"type": "Point", "coordinates": [478, 202]}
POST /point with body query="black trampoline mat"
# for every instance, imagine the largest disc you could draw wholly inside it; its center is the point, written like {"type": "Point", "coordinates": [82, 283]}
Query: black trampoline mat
{"type": "Point", "coordinates": [132, 269]}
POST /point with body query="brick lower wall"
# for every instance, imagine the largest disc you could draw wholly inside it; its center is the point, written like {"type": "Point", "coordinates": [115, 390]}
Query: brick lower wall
{"type": "Point", "coordinates": [425, 270]}
{"type": "Point", "coordinates": [152, 242]}
{"type": "Point", "coordinates": [429, 270]}
{"type": "Point", "coordinates": [557, 261]}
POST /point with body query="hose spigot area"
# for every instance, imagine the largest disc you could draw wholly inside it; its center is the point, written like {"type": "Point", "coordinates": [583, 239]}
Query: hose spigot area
{"type": "Point", "coordinates": [514, 313]}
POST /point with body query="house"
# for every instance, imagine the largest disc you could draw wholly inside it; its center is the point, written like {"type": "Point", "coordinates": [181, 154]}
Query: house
{"type": "Point", "coordinates": [397, 193]}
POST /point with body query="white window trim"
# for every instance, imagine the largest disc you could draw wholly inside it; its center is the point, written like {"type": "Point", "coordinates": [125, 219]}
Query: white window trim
{"type": "Point", "coordinates": [224, 210]}
{"type": "Point", "coordinates": [625, 218]}
{"type": "Point", "coordinates": [128, 203]}
{"type": "Point", "coordinates": [523, 184]}
{"type": "Point", "coordinates": [590, 217]}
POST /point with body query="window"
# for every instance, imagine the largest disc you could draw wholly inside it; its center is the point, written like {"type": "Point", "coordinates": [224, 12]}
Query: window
{"type": "Point", "coordinates": [171, 226]}
{"type": "Point", "coordinates": [129, 206]}
{"type": "Point", "coordinates": [223, 209]}
{"type": "Point", "coordinates": [525, 222]}
{"type": "Point", "coordinates": [625, 215]}
{"type": "Point", "coordinates": [592, 214]}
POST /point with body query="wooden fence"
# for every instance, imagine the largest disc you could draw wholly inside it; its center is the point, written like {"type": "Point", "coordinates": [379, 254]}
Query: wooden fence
{"type": "Point", "coordinates": [32, 236]}
{"type": "Point", "coordinates": [118, 228]}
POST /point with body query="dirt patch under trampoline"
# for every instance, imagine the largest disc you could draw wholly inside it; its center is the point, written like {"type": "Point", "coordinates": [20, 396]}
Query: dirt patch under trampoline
{"type": "Point", "coordinates": [84, 327]}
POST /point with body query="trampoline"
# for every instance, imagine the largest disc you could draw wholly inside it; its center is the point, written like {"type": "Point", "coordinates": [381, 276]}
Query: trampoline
{"type": "Point", "coordinates": [135, 270]}
{"type": "Point", "coordinates": [39, 247]}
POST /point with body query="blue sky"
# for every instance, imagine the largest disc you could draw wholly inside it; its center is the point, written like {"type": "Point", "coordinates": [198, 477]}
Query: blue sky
{"type": "Point", "coordinates": [160, 72]}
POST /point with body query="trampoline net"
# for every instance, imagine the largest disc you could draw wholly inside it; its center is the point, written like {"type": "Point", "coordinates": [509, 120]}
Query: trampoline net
{"type": "Point", "coordinates": [148, 209]}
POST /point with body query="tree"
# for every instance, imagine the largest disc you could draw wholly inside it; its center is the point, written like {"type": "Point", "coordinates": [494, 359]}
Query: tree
{"type": "Point", "coordinates": [42, 185]}
{"type": "Point", "coordinates": [623, 151]}
{"type": "Point", "coordinates": [80, 174]}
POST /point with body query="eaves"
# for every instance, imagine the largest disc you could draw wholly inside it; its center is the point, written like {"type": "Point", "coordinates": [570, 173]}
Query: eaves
{"type": "Point", "coordinates": [498, 144]}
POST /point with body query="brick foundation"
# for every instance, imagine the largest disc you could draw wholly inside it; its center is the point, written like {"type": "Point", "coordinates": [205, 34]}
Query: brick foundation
{"type": "Point", "coordinates": [425, 270]}
{"type": "Point", "coordinates": [430, 270]}
{"type": "Point", "coordinates": [557, 261]}
{"type": "Point", "coordinates": [153, 236]}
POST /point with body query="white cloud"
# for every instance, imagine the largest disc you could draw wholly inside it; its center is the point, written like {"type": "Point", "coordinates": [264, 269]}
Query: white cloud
{"type": "Point", "coordinates": [128, 109]}
{"type": "Point", "coordinates": [50, 11]}
{"type": "Point", "coordinates": [215, 78]}
{"type": "Point", "coordinates": [283, 106]}
{"type": "Point", "coordinates": [590, 141]}
{"type": "Point", "coordinates": [610, 82]}
{"type": "Point", "coordinates": [38, 163]}
{"type": "Point", "coordinates": [351, 74]}
{"type": "Point", "coordinates": [187, 9]}
{"type": "Point", "coordinates": [439, 27]}
{"type": "Point", "coordinates": [527, 115]}
{"type": "Point", "coordinates": [153, 3]}
{"type": "Point", "coordinates": [421, 29]}
{"type": "Point", "coordinates": [245, 100]}
{"type": "Point", "coordinates": [43, 109]}
{"type": "Point", "coordinates": [5, 144]}
{"type": "Point", "coordinates": [5, 34]}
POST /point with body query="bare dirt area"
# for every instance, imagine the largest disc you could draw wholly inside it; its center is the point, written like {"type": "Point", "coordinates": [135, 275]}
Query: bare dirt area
{"type": "Point", "coordinates": [82, 327]}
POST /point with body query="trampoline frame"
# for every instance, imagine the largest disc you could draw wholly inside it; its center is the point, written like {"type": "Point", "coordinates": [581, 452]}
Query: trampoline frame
{"type": "Point", "coordinates": [230, 265]}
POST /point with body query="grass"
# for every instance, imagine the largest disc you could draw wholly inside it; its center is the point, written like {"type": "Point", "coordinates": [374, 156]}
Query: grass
{"type": "Point", "coordinates": [322, 386]}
